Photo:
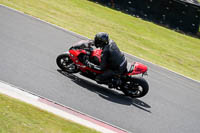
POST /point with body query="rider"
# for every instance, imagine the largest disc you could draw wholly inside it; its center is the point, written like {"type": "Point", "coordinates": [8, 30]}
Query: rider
{"type": "Point", "coordinates": [113, 61]}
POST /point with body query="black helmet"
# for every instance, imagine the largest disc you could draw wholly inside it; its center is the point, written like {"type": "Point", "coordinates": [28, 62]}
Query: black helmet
{"type": "Point", "coordinates": [101, 39]}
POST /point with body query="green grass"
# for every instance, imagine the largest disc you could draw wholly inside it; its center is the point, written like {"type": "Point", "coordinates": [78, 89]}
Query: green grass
{"type": "Point", "coordinates": [146, 40]}
{"type": "Point", "coordinates": [18, 117]}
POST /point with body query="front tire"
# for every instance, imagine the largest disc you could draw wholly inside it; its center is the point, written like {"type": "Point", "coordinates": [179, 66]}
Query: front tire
{"type": "Point", "coordinates": [65, 63]}
{"type": "Point", "coordinates": [135, 87]}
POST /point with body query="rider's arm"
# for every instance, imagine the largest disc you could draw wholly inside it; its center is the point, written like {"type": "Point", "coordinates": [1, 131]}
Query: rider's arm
{"type": "Point", "coordinates": [90, 43]}
{"type": "Point", "coordinates": [83, 44]}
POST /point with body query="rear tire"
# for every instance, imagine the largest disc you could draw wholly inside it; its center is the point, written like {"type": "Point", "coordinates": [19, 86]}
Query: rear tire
{"type": "Point", "coordinates": [135, 87]}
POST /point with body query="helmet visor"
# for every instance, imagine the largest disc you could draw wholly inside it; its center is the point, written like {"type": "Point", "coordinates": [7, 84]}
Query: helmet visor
{"type": "Point", "coordinates": [98, 43]}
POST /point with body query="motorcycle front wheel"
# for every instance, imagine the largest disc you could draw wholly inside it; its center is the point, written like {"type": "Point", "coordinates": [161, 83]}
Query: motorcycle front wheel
{"type": "Point", "coordinates": [66, 64]}
{"type": "Point", "coordinates": [135, 87]}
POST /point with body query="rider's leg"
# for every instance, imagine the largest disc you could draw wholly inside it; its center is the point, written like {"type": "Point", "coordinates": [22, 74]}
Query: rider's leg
{"type": "Point", "coordinates": [105, 77]}
{"type": "Point", "coordinates": [108, 77]}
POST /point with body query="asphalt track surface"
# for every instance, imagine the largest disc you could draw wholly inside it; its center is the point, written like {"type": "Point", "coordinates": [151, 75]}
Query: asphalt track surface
{"type": "Point", "coordinates": [28, 49]}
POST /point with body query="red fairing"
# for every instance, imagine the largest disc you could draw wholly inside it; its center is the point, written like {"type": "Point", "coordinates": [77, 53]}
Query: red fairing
{"type": "Point", "coordinates": [97, 53]}
{"type": "Point", "coordinates": [77, 52]}
{"type": "Point", "coordinates": [138, 69]}
{"type": "Point", "coordinates": [74, 57]}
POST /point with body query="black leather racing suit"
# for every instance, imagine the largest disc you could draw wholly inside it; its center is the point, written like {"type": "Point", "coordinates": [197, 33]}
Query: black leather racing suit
{"type": "Point", "coordinates": [113, 62]}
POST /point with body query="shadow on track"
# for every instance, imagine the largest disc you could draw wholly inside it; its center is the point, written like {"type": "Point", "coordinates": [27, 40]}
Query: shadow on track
{"type": "Point", "coordinates": [108, 94]}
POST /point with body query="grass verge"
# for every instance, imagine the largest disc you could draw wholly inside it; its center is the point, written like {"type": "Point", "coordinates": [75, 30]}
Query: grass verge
{"type": "Point", "coordinates": [146, 40]}
{"type": "Point", "coordinates": [19, 117]}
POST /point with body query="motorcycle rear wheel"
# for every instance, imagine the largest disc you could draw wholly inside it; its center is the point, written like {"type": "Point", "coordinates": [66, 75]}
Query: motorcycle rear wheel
{"type": "Point", "coordinates": [66, 64]}
{"type": "Point", "coordinates": [135, 87]}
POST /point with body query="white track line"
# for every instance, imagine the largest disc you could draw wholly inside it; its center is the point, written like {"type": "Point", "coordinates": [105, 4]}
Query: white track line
{"type": "Point", "coordinates": [57, 109]}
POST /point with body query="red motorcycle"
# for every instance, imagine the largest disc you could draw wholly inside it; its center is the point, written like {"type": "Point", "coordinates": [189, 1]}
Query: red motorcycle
{"type": "Point", "coordinates": [73, 62]}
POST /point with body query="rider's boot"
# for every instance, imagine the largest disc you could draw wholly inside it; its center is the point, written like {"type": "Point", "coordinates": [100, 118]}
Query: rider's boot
{"type": "Point", "coordinates": [114, 83]}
